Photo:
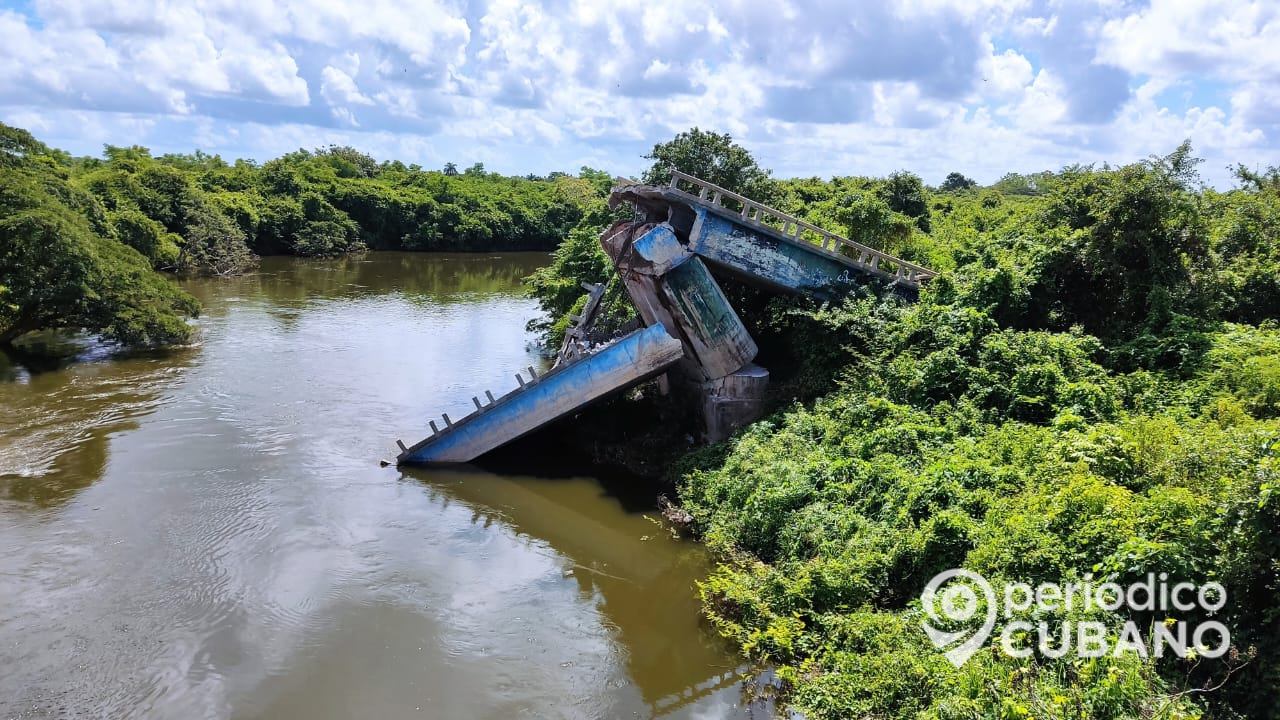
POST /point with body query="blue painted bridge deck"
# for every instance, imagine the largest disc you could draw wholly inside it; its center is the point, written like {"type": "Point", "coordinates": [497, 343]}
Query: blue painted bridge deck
{"type": "Point", "coordinates": [612, 368]}
{"type": "Point", "coordinates": [764, 246]}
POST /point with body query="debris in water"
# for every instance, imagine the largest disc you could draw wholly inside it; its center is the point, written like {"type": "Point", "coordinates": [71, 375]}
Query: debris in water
{"type": "Point", "coordinates": [675, 514]}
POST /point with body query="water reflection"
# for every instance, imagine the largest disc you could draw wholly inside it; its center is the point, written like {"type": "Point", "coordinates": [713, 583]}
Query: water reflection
{"type": "Point", "coordinates": [64, 399]}
{"type": "Point", "coordinates": [208, 534]}
{"type": "Point", "coordinates": [640, 577]}
{"type": "Point", "coordinates": [441, 279]}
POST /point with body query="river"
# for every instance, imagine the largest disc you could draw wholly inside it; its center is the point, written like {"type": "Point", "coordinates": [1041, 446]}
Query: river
{"type": "Point", "coordinates": [207, 533]}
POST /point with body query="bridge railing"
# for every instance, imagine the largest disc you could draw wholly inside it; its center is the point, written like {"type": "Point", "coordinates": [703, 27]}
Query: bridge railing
{"type": "Point", "coordinates": [752, 212]}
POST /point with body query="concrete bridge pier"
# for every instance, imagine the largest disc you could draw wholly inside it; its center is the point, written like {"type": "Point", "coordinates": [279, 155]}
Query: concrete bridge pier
{"type": "Point", "coordinates": [733, 401]}
{"type": "Point", "coordinates": [673, 287]}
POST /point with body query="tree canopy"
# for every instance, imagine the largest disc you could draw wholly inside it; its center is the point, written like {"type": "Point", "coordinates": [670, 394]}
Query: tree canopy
{"type": "Point", "coordinates": [955, 182]}
{"type": "Point", "coordinates": [197, 214]}
{"type": "Point", "coordinates": [61, 264]}
{"type": "Point", "coordinates": [713, 157]}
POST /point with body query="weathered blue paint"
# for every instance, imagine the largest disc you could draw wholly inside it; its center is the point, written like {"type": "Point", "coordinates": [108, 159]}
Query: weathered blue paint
{"type": "Point", "coordinates": [628, 361]}
{"type": "Point", "coordinates": [671, 286]}
{"type": "Point", "coordinates": [777, 262]}
{"type": "Point", "coordinates": [657, 252]}
{"type": "Point", "coordinates": [714, 334]}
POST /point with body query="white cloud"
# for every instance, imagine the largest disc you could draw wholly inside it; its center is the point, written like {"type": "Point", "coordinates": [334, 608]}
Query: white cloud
{"type": "Point", "coordinates": [1006, 73]}
{"type": "Point", "coordinates": [1237, 39]}
{"type": "Point", "coordinates": [1041, 105]}
{"type": "Point", "coordinates": [813, 87]}
{"type": "Point", "coordinates": [1258, 102]}
{"type": "Point", "coordinates": [338, 88]}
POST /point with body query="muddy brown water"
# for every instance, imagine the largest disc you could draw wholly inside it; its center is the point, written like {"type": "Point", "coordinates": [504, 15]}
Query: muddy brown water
{"type": "Point", "coordinates": [207, 533]}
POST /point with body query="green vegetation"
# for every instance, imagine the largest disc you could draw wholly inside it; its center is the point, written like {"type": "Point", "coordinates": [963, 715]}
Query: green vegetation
{"type": "Point", "coordinates": [1092, 386]}
{"type": "Point", "coordinates": [324, 203]}
{"type": "Point", "coordinates": [61, 265]}
{"type": "Point", "coordinates": [83, 236]}
{"type": "Point", "coordinates": [713, 157]}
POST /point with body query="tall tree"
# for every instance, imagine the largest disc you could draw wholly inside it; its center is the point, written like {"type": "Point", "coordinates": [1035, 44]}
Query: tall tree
{"type": "Point", "coordinates": [904, 192]}
{"type": "Point", "coordinates": [713, 157]}
{"type": "Point", "coordinates": [955, 181]}
{"type": "Point", "coordinates": [60, 267]}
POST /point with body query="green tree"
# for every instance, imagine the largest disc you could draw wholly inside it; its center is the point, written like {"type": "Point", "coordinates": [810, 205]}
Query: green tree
{"type": "Point", "coordinates": [869, 220]}
{"type": "Point", "coordinates": [904, 192]}
{"type": "Point", "coordinates": [713, 157]}
{"type": "Point", "coordinates": [1258, 180]}
{"type": "Point", "coordinates": [956, 182]}
{"type": "Point", "coordinates": [1133, 237]}
{"type": "Point", "coordinates": [58, 269]}
{"type": "Point", "coordinates": [348, 162]}
{"type": "Point", "coordinates": [450, 169]}
{"type": "Point", "coordinates": [135, 229]}
{"type": "Point", "coordinates": [213, 244]}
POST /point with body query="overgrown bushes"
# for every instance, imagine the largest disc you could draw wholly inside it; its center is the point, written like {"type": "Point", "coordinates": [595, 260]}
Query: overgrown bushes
{"type": "Point", "coordinates": [1089, 388]}
{"type": "Point", "coordinates": [1014, 454]}
{"type": "Point", "coordinates": [199, 215]}
{"type": "Point", "coordinates": [61, 265]}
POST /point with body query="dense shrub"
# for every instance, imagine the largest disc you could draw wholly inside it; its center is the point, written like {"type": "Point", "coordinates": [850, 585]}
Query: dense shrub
{"type": "Point", "coordinates": [1069, 397]}
{"type": "Point", "coordinates": [832, 519]}
{"type": "Point", "coordinates": [198, 215]}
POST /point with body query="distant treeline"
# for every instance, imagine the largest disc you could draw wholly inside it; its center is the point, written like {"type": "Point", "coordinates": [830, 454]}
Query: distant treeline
{"type": "Point", "coordinates": [69, 224]}
{"type": "Point", "coordinates": [322, 203]}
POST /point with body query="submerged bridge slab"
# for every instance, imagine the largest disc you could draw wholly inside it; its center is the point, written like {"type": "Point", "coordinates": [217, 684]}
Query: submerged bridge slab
{"type": "Point", "coordinates": [622, 364]}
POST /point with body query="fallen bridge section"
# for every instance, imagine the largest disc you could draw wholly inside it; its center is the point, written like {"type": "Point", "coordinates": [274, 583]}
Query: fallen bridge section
{"type": "Point", "coordinates": [613, 368]}
{"type": "Point", "coordinates": [765, 247]}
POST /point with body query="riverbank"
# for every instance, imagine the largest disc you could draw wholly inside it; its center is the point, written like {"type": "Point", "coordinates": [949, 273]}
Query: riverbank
{"type": "Point", "coordinates": [1090, 389]}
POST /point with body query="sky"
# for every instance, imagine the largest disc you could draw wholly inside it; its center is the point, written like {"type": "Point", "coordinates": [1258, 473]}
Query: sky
{"type": "Point", "coordinates": [982, 87]}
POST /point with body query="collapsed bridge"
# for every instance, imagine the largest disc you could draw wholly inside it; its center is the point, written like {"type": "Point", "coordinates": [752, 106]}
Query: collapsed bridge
{"type": "Point", "coordinates": [682, 236]}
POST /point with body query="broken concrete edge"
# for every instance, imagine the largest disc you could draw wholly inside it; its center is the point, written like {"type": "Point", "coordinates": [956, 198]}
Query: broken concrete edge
{"type": "Point", "coordinates": [576, 339]}
{"type": "Point", "coordinates": [640, 357]}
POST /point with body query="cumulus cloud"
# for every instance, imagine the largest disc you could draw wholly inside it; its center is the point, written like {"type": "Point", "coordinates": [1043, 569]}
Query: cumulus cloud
{"type": "Point", "coordinates": [1236, 42]}
{"type": "Point", "coordinates": [339, 89]}
{"type": "Point", "coordinates": [1006, 73]}
{"type": "Point", "coordinates": [815, 87]}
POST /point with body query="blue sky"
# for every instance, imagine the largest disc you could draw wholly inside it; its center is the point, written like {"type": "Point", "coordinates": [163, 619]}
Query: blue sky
{"type": "Point", "coordinates": [815, 88]}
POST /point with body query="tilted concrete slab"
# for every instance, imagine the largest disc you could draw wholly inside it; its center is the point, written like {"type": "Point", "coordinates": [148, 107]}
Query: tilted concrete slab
{"type": "Point", "coordinates": [761, 256]}
{"type": "Point", "coordinates": [767, 248]}
{"type": "Point", "coordinates": [670, 286]}
{"type": "Point", "coordinates": [623, 363]}
{"type": "Point", "coordinates": [712, 331]}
